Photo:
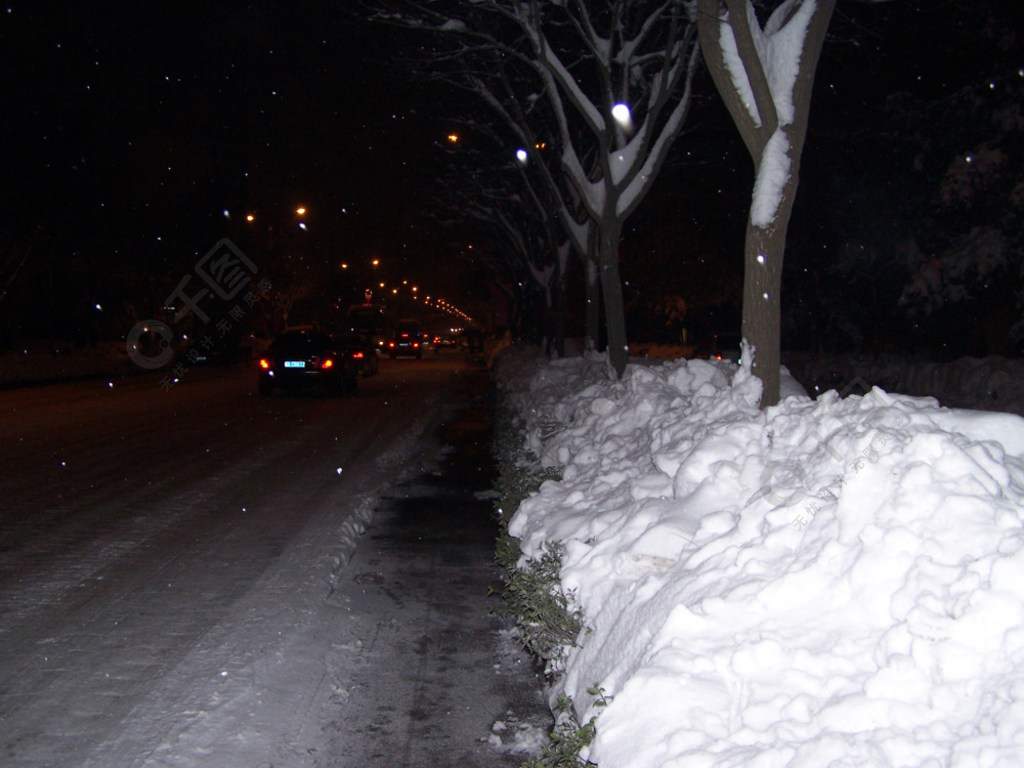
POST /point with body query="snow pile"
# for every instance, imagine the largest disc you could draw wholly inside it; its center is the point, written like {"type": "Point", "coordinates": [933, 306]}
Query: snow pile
{"type": "Point", "coordinates": [829, 582]}
{"type": "Point", "coordinates": [989, 383]}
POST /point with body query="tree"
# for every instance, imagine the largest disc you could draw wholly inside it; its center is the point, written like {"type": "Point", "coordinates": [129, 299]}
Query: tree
{"type": "Point", "coordinates": [614, 78]}
{"type": "Point", "coordinates": [765, 75]}
{"type": "Point", "coordinates": [966, 261]}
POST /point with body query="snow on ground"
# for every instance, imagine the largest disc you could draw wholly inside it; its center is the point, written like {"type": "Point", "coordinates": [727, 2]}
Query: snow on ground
{"type": "Point", "coordinates": [831, 582]}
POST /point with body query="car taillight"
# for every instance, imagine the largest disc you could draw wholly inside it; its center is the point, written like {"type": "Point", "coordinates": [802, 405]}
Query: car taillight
{"type": "Point", "coordinates": [357, 355]}
{"type": "Point", "coordinates": [391, 345]}
{"type": "Point", "coordinates": [265, 364]}
{"type": "Point", "coordinates": [415, 344]}
{"type": "Point", "coordinates": [326, 363]}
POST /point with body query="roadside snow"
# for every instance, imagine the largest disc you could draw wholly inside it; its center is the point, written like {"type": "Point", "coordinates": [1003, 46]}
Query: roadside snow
{"type": "Point", "coordinates": [828, 582]}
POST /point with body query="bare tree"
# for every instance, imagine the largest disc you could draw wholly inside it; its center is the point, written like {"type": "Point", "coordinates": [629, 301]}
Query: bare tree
{"type": "Point", "coordinates": [615, 79]}
{"type": "Point", "coordinates": [765, 75]}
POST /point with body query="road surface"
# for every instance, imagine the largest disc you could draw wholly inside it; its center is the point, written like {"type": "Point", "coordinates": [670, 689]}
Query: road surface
{"type": "Point", "coordinates": [184, 578]}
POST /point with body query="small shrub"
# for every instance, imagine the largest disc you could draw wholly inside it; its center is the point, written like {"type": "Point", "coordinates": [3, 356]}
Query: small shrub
{"type": "Point", "coordinates": [568, 739]}
{"type": "Point", "coordinates": [548, 621]}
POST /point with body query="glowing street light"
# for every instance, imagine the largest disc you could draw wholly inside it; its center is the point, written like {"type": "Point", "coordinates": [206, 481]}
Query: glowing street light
{"type": "Point", "coordinates": [301, 210]}
{"type": "Point", "coordinates": [522, 156]}
{"type": "Point", "coordinates": [622, 115]}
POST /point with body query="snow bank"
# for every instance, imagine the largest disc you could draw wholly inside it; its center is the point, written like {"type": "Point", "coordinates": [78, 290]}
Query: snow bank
{"type": "Point", "coordinates": [829, 582]}
{"type": "Point", "coordinates": [990, 383]}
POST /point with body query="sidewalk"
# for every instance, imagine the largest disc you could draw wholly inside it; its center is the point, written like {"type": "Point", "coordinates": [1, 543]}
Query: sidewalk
{"type": "Point", "coordinates": [434, 678]}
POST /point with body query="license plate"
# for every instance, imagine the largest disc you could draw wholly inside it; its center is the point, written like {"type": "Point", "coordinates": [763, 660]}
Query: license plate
{"type": "Point", "coordinates": [294, 363]}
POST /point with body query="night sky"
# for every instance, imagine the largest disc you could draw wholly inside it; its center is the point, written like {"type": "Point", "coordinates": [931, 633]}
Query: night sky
{"type": "Point", "coordinates": [130, 129]}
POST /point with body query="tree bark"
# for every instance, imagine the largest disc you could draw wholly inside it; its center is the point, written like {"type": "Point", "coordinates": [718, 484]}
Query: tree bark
{"type": "Point", "coordinates": [611, 290]}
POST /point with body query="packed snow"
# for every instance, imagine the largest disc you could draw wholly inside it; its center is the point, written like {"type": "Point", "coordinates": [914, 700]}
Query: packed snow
{"type": "Point", "coordinates": [830, 582]}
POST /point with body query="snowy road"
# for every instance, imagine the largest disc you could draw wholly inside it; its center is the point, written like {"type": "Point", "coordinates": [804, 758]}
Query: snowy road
{"type": "Point", "coordinates": [167, 561]}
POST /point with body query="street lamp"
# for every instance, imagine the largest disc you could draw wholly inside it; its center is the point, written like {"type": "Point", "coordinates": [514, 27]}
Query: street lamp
{"type": "Point", "coordinates": [623, 117]}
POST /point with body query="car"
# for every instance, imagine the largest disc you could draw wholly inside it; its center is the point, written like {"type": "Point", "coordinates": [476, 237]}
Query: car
{"type": "Point", "coordinates": [363, 350]}
{"type": "Point", "coordinates": [373, 322]}
{"type": "Point", "coordinates": [408, 339]}
{"type": "Point", "coordinates": [307, 359]}
{"type": "Point", "coordinates": [722, 346]}
{"type": "Point", "coordinates": [446, 340]}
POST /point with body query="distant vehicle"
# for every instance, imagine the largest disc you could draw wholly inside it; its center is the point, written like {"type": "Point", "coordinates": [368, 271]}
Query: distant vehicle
{"type": "Point", "coordinates": [721, 346]}
{"type": "Point", "coordinates": [446, 340]}
{"type": "Point", "coordinates": [363, 350]}
{"type": "Point", "coordinates": [407, 340]}
{"type": "Point", "coordinates": [371, 321]}
{"type": "Point", "coordinates": [309, 359]}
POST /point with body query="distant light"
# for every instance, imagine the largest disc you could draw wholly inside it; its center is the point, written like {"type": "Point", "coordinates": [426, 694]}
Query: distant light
{"type": "Point", "coordinates": [344, 265]}
{"type": "Point", "coordinates": [227, 213]}
{"type": "Point", "coordinates": [453, 138]}
{"type": "Point", "coordinates": [301, 211]}
{"type": "Point", "coordinates": [249, 217]}
{"type": "Point", "coordinates": [375, 262]}
{"type": "Point", "coordinates": [522, 156]}
{"type": "Point", "coordinates": [622, 115]}
{"type": "Point", "coordinates": [98, 307]}
{"type": "Point", "coordinates": [302, 225]}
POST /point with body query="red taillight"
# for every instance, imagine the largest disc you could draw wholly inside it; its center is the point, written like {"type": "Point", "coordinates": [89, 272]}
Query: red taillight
{"type": "Point", "coordinates": [391, 345]}
{"type": "Point", "coordinates": [415, 345]}
{"type": "Point", "coordinates": [357, 355]}
{"type": "Point", "coordinates": [264, 364]}
{"type": "Point", "coordinates": [326, 363]}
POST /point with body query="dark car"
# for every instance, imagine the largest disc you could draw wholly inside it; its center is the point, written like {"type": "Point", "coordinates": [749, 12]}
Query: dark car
{"type": "Point", "coordinates": [447, 339]}
{"type": "Point", "coordinates": [308, 359]}
{"type": "Point", "coordinates": [363, 350]}
{"type": "Point", "coordinates": [371, 321]}
{"type": "Point", "coordinates": [408, 339]}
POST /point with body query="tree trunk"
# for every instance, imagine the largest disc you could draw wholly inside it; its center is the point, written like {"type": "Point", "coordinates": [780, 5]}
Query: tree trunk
{"type": "Point", "coordinates": [611, 290]}
{"type": "Point", "coordinates": [764, 252]}
{"type": "Point", "coordinates": [762, 287]}
{"type": "Point", "coordinates": [560, 310]}
{"type": "Point", "coordinates": [592, 326]}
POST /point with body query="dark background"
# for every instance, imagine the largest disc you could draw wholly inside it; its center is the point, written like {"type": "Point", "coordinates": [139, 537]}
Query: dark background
{"type": "Point", "coordinates": [129, 129]}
